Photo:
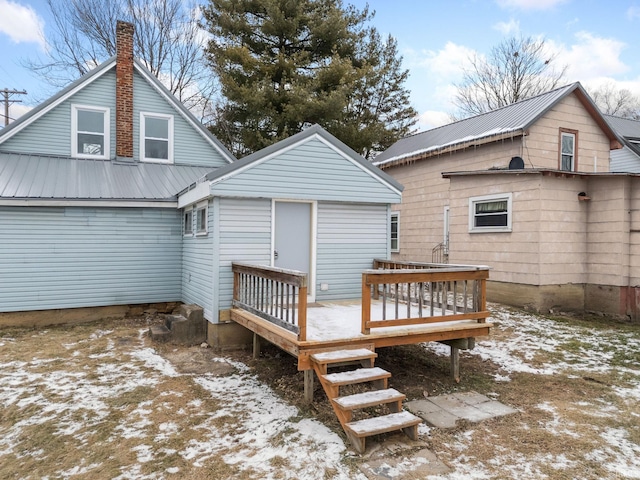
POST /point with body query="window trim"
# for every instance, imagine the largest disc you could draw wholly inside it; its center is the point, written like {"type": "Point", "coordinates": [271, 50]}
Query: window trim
{"type": "Point", "coordinates": [202, 206]}
{"type": "Point", "coordinates": [395, 215]}
{"type": "Point", "coordinates": [473, 201]}
{"type": "Point", "coordinates": [574, 133]}
{"type": "Point", "coordinates": [106, 111]}
{"type": "Point", "coordinates": [143, 158]}
{"type": "Point", "coordinates": [188, 211]}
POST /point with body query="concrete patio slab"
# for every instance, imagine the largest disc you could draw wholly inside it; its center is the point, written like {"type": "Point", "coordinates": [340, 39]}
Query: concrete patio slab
{"type": "Point", "coordinates": [444, 411]}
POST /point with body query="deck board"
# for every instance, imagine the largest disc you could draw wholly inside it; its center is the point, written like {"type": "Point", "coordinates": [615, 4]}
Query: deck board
{"type": "Point", "coordinates": [338, 324]}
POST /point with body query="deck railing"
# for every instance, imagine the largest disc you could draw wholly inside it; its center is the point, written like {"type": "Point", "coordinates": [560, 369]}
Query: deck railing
{"type": "Point", "coordinates": [275, 294]}
{"type": "Point", "coordinates": [412, 293]}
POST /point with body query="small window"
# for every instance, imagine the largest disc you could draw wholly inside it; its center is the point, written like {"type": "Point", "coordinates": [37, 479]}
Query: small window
{"type": "Point", "coordinates": [89, 131]}
{"type": "Point", "coordinates": [188, 221]}
{"type": "Point", "coordinates": [201, 219]}
{"type": "Point", "coordinates": [490, 213]}
{"type": "Point", "coordinates": [567, 151]}
{"type": "Point", "coordinates": [395, 231]}
{"type": "Point", "coordinates": [156, 138]}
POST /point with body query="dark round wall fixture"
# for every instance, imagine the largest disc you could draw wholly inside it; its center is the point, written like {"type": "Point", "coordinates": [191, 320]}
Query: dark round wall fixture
{"type": "Point", "coordinates": [516, 163]}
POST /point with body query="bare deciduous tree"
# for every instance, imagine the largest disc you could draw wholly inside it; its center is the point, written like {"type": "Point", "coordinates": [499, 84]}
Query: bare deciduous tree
{"type": "Point", "coordinates": [168, 41]}
{"type": "Point", "coordinates": [620, 102]}
{"type": "Point", "coordinates": [517, 68]}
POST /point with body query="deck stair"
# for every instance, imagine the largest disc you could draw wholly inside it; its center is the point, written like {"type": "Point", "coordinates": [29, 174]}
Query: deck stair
{"type": "Point", "coordinates": [344, 406]}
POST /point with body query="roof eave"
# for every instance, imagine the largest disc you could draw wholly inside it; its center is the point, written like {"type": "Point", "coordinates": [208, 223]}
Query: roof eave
{"type": "Point", "coordinates": [436, 151]}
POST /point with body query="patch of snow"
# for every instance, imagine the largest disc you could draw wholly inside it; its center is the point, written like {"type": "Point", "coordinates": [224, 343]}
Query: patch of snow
{"type": "Point", "coordinates": [152, 360]}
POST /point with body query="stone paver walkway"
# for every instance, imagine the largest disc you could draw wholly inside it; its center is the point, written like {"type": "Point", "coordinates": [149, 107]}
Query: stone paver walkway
{"type": "Point", "coordinates": [399, 458]}
{"type": "Point", "coordinates": [445, 410]}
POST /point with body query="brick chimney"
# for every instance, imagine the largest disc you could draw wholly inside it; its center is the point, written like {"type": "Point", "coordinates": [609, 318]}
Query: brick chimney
{"type": "Point", "coordinates": [124, 89]}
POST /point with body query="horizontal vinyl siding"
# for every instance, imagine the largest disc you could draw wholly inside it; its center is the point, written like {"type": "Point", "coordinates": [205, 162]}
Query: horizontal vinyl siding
{"type": "Point", "coordinates": [350, 237]}
{"type": "Point", "coordinates": [189, 146]}
{"type": "Point", "coordinates": [311, 171]}
{"type": "Point", "coordinates": [245, 236]}
{"type": "Point", "coordinates": [84, 257]}
{"type": "Point", "coordinates": [624, 160]}
{"type": "Point", "coordinates": [51, 133]}
{"type": "Point", "coordinates": [197, 268]}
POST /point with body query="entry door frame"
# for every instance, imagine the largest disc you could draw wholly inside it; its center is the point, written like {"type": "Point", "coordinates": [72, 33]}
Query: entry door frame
{"type": "Point", "coordinates": [311, 279]}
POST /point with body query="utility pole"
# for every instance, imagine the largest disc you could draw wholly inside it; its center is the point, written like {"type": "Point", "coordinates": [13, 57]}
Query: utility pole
{"type": "Point", "coordinates": [6, 93]}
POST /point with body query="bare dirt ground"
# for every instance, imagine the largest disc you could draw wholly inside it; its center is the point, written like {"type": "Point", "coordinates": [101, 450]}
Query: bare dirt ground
{"type": "Point", "coordinates": [101, 401]}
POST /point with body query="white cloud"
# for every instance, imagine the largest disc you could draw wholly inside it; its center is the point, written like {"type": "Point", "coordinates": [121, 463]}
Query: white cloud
{"type": "Point", "coordinates": [508, 28]}
{"type": "Point", "coordinates": [21, 23]}
{"type": "Point", "coordinates": [591, 57]}
{"type": "Point", "coordinates": [432, 119]}
{"type": "Point", "coordinates": [446, 64]}
{"type": "Point", "coordinates": [530, 4]}
{"type": "Point", "coordinates": [633, 12]}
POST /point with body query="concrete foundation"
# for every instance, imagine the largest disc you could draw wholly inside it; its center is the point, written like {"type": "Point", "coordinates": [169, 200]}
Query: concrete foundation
{"type": "Point", "coordinates": [604, 299]}
{"type": "Point", "coordinates": [43, 318]}
{"type": "Point", "coordinates": [228, 336]}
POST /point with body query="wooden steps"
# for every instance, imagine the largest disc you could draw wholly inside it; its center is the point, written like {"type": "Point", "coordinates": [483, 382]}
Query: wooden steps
{"type": "Point", "coordinates": [344, 406]}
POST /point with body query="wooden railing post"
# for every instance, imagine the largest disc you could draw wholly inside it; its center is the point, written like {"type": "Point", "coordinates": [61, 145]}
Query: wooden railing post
{"type": "Point", "coordinates": [482, 303]}
{"type": "Point", "coordinates": [236, 285]}
{"type": "Point", "coordinates": [366, 304]}
{"type": "Point", "coordinates": [302, 314]}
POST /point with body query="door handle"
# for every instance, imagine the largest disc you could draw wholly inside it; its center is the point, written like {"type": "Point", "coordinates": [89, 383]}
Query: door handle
{"type": "Point", "coordinates": [275, 254]}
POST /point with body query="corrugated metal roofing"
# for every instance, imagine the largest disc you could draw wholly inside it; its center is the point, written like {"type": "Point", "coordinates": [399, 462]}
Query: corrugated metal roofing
{"type": "Point", "coordinates": [24, 176]}
{"type": "Point", "coordinates": [513, 118]}
{"type": "Point", "coordinates": [625, 126]}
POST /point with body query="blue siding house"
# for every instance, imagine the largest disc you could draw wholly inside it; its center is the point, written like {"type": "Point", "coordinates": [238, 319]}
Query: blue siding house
{"type": "Point", "coordinates": [113, 195]}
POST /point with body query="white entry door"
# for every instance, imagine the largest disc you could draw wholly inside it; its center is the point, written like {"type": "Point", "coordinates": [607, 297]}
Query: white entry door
{"type": "Point", "coordinates": [293, 239]}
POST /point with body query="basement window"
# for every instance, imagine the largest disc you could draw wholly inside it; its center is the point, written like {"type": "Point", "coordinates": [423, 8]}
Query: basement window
{"type": "Point", "coordinates": [156, 137]}
{"type": "Point", "coordinates": [490, 213]}
{"type": "Point", "coordinates": [89, 132]}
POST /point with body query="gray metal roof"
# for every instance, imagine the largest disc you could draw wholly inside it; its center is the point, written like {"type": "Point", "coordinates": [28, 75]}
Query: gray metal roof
{"type": "Point", "coordinates": [512, 120]}
{"type": "Point", "coordinates": [24, 176]}
{"type": "Point", "coordinates": [624, 126]}
{"type": "Point", "coordinates": [245, 162]}
{"type": "Point", "coordinates": [628, 129]}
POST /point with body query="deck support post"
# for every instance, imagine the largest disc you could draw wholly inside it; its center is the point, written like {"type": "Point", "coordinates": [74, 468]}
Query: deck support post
{"type": "Point", "coordinates": [256, 346]}
{"type": "Point", "coordinates": [308, 387]}
{"type": "Point", "coordinates": [455, 364]}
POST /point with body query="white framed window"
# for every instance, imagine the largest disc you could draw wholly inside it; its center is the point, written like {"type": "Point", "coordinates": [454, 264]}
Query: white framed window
{"type": "Point", "coordinates": [156, 137]}
{"type": "Point", "coordinates": [490, 213]}
{"type": "Point", "coordinates": [188, 221]}
{"type": "Point", "coordinates": [90, 131]}
{"type": "Point", "coordinates": [568, 150]}
{"type": "Point", "coordinates": [201, 212]}
{"type": "Point", "coordinates": [394, 237]}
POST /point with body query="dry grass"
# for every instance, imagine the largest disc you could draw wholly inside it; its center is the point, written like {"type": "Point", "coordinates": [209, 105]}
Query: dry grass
{"type": "Point", "coordinates": [62, 419]}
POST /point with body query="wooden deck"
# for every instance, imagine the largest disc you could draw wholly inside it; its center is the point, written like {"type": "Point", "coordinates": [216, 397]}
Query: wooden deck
{"type": "Point", "coordinates": [402, 303]}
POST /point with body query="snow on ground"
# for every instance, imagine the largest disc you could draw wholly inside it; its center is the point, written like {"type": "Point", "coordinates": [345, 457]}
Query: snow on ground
{"type": "Point", "coordinates": [265, 429]}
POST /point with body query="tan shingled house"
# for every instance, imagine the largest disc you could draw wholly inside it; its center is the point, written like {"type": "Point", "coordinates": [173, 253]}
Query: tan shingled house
{"type": "Point", "coordinates": [527, 190]}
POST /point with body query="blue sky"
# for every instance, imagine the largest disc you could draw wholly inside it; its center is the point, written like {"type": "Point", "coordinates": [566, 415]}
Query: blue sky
{"type": "Point", "coordinates": [598, 40]}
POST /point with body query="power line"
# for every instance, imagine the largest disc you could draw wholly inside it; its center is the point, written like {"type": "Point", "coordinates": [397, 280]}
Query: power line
{"type": "Point", "coordinates": [6, 93]}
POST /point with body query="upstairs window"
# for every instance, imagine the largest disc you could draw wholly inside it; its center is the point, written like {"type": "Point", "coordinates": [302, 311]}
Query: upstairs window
{"type": "Point", "coordinates": [395, 231]}
{"type": "Point", "coordinates": [156, 138]}
{"type": "Point", "coordinates": [567, 151]}
{"type": "Point", "coordinates": [89, 131]}
{"type": "Point", "coordinates": [490, 213]}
